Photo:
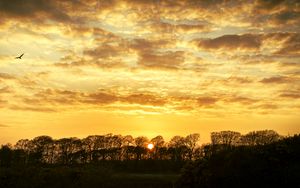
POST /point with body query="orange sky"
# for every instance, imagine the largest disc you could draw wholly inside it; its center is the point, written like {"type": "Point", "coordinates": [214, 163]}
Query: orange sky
{"type": "Point", "coordinates": [150, 68]}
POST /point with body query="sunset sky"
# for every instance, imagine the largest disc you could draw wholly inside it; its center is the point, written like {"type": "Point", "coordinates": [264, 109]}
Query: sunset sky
{"type": "Point", "coordinates": [142, 67]}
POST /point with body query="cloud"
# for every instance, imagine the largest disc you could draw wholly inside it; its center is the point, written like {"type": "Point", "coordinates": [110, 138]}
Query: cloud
{"type": "Point", "coordinates": [207, 101]}
{"type": "Point", "coordinates": [3, 103]}
{"type": "Point", "coordinates": [281, 14]}
{"type": "Point", "coordinates": [144, 99]}
{"type": "Point", "coordinates": [31, 108]}
{"type": "Point", "coordinates": [100, 98]}
{"type": "Point", "coordinates": [276, 80]}
{"type": "Point", "coordinates": [6, 89]}
{"type": "Point", "coordinates": [105, 51]}
{"type": "Point", "coordinates": [165, 60]}
{"type": "Point", "coordinates": [291, 94]}
{"type": "Point", "coordinates": [174, 28]}
{"type": "Point", "coordinates": [232, 42]}
{"type": "Point", "coordinates": [140, 38]}
{"type": "Point", "coordinates": [267, 6]}
{"type": "Point", "coordinates": [7, 76]}
{"type": "Point", "coordinates": [237, 80]}
{"type": "Point", "coordinates": [192, 27]}
{"type": "Point", "coordinates": [241, 100]}
{"type": "Point", "coordinates": [3, 125]}
{"type": "Point", "coordinates": [291, 45]}
{"type": "Point", "coordinates": [266, 106]}
{"type": "Point", "coordinates": [65, 97]}
{"type": "Point", "coordinates": [267, 47]}
{"type": "Point", "coordinates": [141, 44]}
{"type": "Point", "coordinates": [151, 54]}
{"type": "Point", "coordinates": [37, 9]}
{"type": "Point", "coordinates": [286, 17]}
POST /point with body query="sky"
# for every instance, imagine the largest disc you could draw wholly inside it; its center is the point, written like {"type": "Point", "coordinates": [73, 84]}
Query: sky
{"type": "Point", "coordinates": [148, 67]}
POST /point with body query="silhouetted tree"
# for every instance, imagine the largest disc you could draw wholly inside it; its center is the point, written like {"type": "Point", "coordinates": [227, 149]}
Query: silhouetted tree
{"type": "Point", "coordinates": [260, 137]}
{"type": "Point", "coordinates": [177, 148]}
{"type": "Point", "coordinates": [141, 144]}
{"type": "Point", "coordinates": [24, 147]}
{"type": "Point", "coordinates": [226, 138]}
{"type": "Point", "coordinates": [39, 146]}
{"type": "Point", "coordinates": [158, 143]}
{"type": "Point", "coordinates": [128, 147]}
{"type": "Point", "coordinates": [66, 148]}
{"type": "Point", "coordinates": [191, 143]}
{"type": "Point", "coordinates": [270, 165]}
{"type": "Point", "coordinates": [6, 155]}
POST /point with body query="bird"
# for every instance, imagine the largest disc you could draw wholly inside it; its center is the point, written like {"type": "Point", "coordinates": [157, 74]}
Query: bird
{"type": "Point", "coordinates": [19, 57]}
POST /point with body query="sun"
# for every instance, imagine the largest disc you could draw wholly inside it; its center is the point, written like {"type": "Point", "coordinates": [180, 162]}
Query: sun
{"type": "Point", "coordinates": [150, 146]}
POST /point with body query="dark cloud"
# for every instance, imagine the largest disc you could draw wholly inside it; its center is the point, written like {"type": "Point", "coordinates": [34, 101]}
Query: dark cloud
{"type": "Point", "coordinates": [6, 89]}
{"type": "Point", "coordinates": [151, 54]}
{"type": "Point", "coordinates": [142, 45]}
{"type": "Point", "coordinates": [291, 94]}
{"type": "Point", "coordinates": [37, 9]}
{"type": "Point", "coordinates": [177, 5]}
{"type": "Point", "coordinates": [3, 125]}
{"type": "Point", "coordinates": [291, 46]}
{"type": "Point", "coordinates": [144, 99]}
{"type": "Point", "coordinates": [267, 5]}
{"type": "Point", "coordinates": [100, 98]}
{"type": "Point", "coordinates": [3, 102]}
{"type": "Point", "coordinates": [95, 63]}
{"type": "Point", "coordinates": [6, 76]}
{"type": "Point", "coordinates": [277, 14]}
{"type": "Point", "coordinates": [266, 106]}
{"type": "Point", "coordinates": [206, 101]}
{"type": "Point", "coordinates": [164, 27]}
{"type": "Point", "coordinates": [237, 80]}
{"type": "Point", "coordinates": [286, 17]}
{"type": "Point", "coordinates": [164, 60]}
{"type": "Point", "coordinates": [276, 80]}
{"type": "Point", "coordinates": [75, 63]}
{"type": "Point", "coordinates": [189, 27]}
{"type": "Point", "coordinates": [245, 41]}
{"type": "Point", "coordinates": [105, 51]}
{"type": "Point", "coordinates": [241, 100]}
{"type": "Point", "coordinates": [289, 64]}
{"type": "Point", "coordinates": [66, 97]}
{"type": "Point", "coordinates": [34, 109]}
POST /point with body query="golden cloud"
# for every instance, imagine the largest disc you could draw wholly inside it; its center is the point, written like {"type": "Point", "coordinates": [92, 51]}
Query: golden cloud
{"type": "Point", "coordinates": [276, 80]}
{"type": "Point", "coordinates": [245, 41]}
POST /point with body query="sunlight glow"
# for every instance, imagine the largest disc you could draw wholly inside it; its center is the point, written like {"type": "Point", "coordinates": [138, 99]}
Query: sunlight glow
{"type": "Point", "coordinates": [150, 146]}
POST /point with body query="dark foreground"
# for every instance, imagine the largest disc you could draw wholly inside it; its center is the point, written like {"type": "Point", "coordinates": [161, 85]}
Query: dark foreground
{"type": "Point", "coordinates": [142, 174]}
{"type": "Point", "coordinates": [268, 166]}
{"type": "Point", "coordinates": [262, 164]}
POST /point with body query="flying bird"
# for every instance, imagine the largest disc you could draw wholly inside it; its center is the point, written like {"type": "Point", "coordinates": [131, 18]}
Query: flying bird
{"type": "Point", "coordinates": [19, 57]}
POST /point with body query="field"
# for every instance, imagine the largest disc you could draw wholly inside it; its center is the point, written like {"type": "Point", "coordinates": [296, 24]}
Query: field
{"type": "Point", "coordinates": [112, 174]}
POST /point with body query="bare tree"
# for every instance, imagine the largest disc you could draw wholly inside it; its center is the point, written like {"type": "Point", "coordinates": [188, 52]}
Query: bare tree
{"type": "Point", "coordinates": [66, 148]}
{"type": "Point", "coordinates": [177, 148]}
{"type": "Point", "coordinates": [226, 138]}
{"type": "Point", "coordinates": [158, 143]}
{"type": "Point", "coordinates": [41, 148]}
{"type": "Point", "coordinates": [191, 142]}
{"type": "Point", "coordinates": [127, 147]}
{"type": "Point", "coordinates": [141, 144]}
{"type": "Point", "coordinates": [260, 137]}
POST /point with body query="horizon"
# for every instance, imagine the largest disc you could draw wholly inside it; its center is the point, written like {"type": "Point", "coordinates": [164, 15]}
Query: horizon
{"type": "Point", "coordinates": [200, 142]}
{"type": "Point", "coordinates": [148, 68]}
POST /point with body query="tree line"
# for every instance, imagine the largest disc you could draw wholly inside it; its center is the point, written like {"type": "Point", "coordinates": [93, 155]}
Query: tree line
{"type": "Point", "coordinates": [109, 147]}
{"type": "Point", "coordinates": [262, 162]}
